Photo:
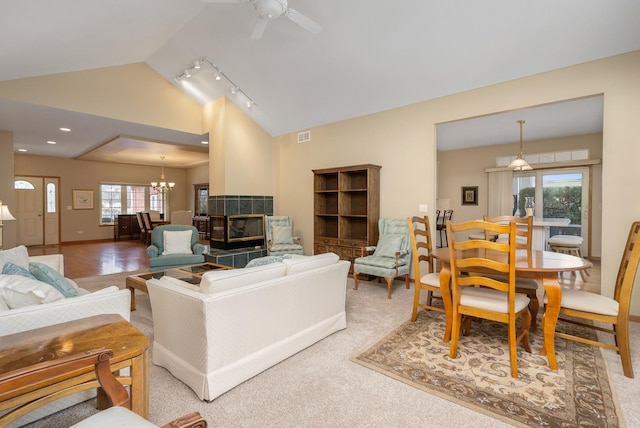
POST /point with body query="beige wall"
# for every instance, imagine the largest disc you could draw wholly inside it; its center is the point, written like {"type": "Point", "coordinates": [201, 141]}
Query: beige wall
{"type": "Point", "coordinates": [134, 92]}
{"type": "Point", "coordinates": [76, 174]}
{"type": "Point", "coordinates": [458, 168]}
{"type": "Point", "coordinates": [403, 142]}
{"type": "Point", "coordinates": [7, 194]}
{"type": "Point", "coordinates": [242, 156]}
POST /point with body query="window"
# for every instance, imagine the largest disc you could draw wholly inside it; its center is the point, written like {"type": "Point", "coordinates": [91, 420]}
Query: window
{"type": "Point", "coordinates": [23, 184]}
{"type": "Point", "coordinates": [51, 198]}
{"type": "Point", "coordinates": [202, 198]}
{"type": "Point", "coordinates": [128, 199]}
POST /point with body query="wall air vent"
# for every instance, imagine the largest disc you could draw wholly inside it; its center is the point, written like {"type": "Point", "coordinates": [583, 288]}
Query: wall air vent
{"type": "Point", "coordinates": [304, 137]}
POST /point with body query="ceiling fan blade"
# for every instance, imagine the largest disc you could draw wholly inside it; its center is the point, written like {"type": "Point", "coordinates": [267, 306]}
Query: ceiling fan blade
{"type": "Point", "coordinates": [303, 21]}
{"type": "Point", "coordinates": [258, 29]}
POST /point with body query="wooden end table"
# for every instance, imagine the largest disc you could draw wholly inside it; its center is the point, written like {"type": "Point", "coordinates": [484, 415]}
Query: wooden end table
{"type": "Point", "coordinates": [130, 349]}
{"type": "Point", "coordinates": [191, 274]}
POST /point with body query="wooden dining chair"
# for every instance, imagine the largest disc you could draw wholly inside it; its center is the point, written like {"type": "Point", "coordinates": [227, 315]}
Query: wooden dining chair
{"type": "Point", "coordinates": [143, 229]}
{"type": "Point", "coordinates": [148, 226]}
{"type": "Point", "coordinates": [524, 233]}
{"type": "Point", "coordinates": [33, 379]}
{"type": "Point", "coordinates": [477, 295]}
{"type": "Point", "coordinates": [593, 307]}
{"type": "Point", "coordinates": [421, 246]}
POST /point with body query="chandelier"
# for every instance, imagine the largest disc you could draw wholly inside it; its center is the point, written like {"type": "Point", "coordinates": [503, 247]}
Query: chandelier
{"type": "Point", "coordinates": [519, 164]}
{"type": "Point", "coordinates": [163, 186]}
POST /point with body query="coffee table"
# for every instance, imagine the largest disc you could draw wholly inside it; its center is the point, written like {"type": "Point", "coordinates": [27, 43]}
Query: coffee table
{"type": "Point", "coordinates": [191, 274]}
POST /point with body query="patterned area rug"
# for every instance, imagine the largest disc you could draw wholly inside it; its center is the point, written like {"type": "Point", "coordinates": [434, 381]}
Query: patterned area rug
{"type": "Point", "coordinates": [578, 394]}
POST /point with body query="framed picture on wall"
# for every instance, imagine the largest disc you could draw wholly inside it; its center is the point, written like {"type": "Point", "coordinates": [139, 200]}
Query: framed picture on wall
{"type": "Point", "coordinates": [82, 199]}
{"type": "Point", "coordinates": [470, 195]}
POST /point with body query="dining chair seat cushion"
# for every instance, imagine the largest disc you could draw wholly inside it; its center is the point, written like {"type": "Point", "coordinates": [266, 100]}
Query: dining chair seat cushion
{"type": "Point", "coordinates": [490, 299]}
{"type": "Point", "coordinates": [381, 262]}
{"type": "Point", "coordinates": [588, 302]}
{"type": "Point", "coordinates": [432, 279]}
{"type": "Point", "coordinates": [388, 245]}
{"type": "Point", "coordinates": [114, 417]}
{"type": "Point", "coordinates": [565, 240]}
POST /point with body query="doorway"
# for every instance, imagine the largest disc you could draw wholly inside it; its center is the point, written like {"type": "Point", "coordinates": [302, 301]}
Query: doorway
{"type": "Point", "coordinates": [38, 213]}
{"type": "Point", "coordinates": [558, 193]}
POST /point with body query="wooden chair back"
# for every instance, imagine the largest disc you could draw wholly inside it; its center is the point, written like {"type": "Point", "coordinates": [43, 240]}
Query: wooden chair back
{"type": "Point", "coordinates": [35, 378]}
{"type": "Point", "coordinates": [490, 297]}
{"type": "Point", "coordinates": [524, 228]}
{"type": "Point", "coordinates": [628, 269]}
{"type": "Point", "coordinates": [421, 247]}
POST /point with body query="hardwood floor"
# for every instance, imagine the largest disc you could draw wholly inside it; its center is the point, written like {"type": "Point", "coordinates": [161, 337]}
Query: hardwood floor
{"type": "Point", "coordinates": [103, 258]}
{"type": "Point", "coordinates": [98, 258]}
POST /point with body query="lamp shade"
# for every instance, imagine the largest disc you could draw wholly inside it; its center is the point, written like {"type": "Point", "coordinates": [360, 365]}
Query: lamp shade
{"type": "Point", "coordinates": [5, 214]}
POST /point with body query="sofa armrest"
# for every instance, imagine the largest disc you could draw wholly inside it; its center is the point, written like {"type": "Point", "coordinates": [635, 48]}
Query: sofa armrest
{"type": "Point", "coordinates": [153, 251]}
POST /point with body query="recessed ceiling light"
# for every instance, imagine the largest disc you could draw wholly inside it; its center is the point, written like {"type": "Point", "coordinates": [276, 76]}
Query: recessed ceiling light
{"type": "Point", "coordinates": [22, 150]}
{"type": "Point", "coordinates": [205, 142]}
{"type": "Point", "coordinates": [65, 129]}
{"type": "Point", "coordinates": [51, 142]}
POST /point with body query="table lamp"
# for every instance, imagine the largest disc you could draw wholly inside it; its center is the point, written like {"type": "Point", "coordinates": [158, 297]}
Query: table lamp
{"type": "Point", "coordinates": [4, 215]}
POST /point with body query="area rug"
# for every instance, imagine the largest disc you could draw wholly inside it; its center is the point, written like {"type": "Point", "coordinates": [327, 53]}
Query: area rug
{"type": "Point", "coordinates": [578, 394]}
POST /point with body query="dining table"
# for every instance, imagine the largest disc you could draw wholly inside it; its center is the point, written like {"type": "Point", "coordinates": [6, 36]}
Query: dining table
{"type": "Point", "coordinates": [543, 266]}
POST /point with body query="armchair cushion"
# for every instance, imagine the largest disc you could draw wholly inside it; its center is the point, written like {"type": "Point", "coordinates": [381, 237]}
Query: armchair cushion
{"type": "Point", "coordinates": [381, 262]}
{"type": "Point", "coordinates": [281, 235]}
{"type": "Point", "coordinates": [177, 242]}
{"type": "Point", "coordinates": [52, 277]}
{"type": "Point", "coordinates": [388, 245]}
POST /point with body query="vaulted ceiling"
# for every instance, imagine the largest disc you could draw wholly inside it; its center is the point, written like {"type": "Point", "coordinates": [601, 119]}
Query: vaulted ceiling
{"type": "Point", "coordinates": [370, 56]}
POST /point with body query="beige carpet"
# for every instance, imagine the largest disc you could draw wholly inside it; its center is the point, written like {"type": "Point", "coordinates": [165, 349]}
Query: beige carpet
{"type": "Point", "coordinates": [578, 394]}
{"type": "Point", "coordinates": [321, 386]}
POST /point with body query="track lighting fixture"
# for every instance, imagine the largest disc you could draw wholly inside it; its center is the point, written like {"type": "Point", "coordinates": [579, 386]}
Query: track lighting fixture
{"type": "Point", "coordinates": [200, 63]}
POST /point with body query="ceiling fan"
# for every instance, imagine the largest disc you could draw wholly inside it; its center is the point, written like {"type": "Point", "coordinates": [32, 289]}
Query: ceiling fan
{"type": "Point", "coordinates": [272, 9]}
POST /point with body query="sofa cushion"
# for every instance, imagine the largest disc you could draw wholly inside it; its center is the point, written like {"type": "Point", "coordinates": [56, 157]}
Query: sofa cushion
{"type": "Point", "coordinates": [388, 245]}
{"type": "Point", "coordinates": [52, 277]}
{"type": "Point", "coordinates": [18, 291]}
{"type": "Point", "coordinates": [301, 264]}
{"type": "Point", "coordinates": [12, 269]}
{"type": "Point", "coordinates": [281, 235]}
{"type": "Point", "coordinates": [176, 242]}
{"type": "Point", "coordinates": [221, 280]}
{"type": "Point", "coordinates": [18, 256]}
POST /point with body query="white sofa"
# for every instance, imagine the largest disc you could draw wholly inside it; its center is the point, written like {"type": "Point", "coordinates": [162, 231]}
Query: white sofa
{"type": "Point", "coordinates": [240, 322]}
{"type": "Point", "coordinates": [110, 300]}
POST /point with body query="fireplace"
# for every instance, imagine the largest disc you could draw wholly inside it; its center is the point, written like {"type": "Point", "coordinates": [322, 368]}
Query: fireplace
{"type": "Point", "coordinates": [237, 231]}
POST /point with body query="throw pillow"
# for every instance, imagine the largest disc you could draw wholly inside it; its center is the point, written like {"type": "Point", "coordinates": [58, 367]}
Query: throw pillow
{"type": "Point", "coordinates": [18, 291]}
{"type": "Point", "coordinates": [176, 242]}
{"type": "Point", "coordinates": [18, 256]}
{"type": "Point", "coordinates": [281, 235]}
{"type": "Point", "coordinates": [267, 260]}
{"type": "Point", "coordinates": [52, 277]}
{"type": "Point", "coordinates": [388, 245]}
{"type": "Point", "coordinates": [11, 269]}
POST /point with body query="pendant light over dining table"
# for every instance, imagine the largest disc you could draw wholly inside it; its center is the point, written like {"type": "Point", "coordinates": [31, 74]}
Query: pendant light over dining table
{"type": "Point", "coordinates": [519, 164]}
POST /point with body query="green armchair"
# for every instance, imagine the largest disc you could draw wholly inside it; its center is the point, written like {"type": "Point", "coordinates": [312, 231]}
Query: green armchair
{"type": "Point", "coordinates": [390, 258]}
{"type": "Point", "coordinates": [280, 239]}
{"type": "Point", "coordinates": [178, 247]}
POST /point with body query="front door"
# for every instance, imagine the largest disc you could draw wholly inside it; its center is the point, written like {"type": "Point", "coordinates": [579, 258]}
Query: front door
{"type": "Point", "coordinates": [37, 210]}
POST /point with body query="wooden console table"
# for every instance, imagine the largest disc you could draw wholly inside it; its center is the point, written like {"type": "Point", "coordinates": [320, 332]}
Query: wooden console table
{"type": "Point", "coordinates": [130, 349]}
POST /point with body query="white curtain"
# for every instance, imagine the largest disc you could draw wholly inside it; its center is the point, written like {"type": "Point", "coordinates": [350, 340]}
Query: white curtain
{"type": "Point", "coordinates": [500, 193]}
